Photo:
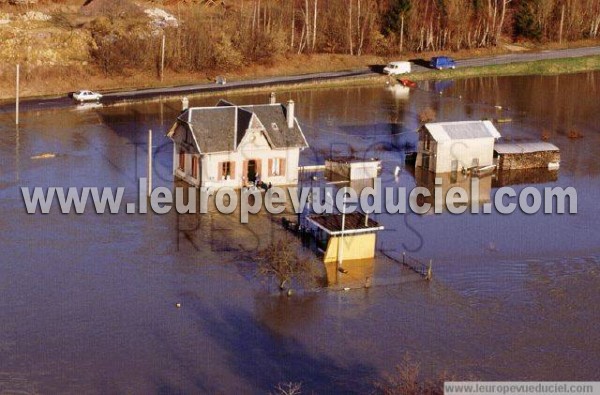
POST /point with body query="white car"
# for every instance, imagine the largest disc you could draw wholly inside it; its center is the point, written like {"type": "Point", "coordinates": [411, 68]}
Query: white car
{"type": "Point", "coordinates": [396, 68]}
{"type": "Point", "coordinates": [87, 96]}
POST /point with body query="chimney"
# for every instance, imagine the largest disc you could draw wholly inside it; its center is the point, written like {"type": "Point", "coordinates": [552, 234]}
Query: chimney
{"type": "Point", "coordinates": [273, 98]}
{"type": "Point", "coordinates": [366, 220]}
{"type": "Point", "coordinates": [290, 114]}
{"type": "Point", "coordinates": [185, 104]}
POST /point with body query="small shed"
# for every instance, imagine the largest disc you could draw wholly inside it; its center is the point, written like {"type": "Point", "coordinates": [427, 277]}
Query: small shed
{"type": "Point", "coordinates": [527, 155]}
{"type": "Point", "coordinates": [353, 168]}
{"type": "Point", "coordinates": [451, 146]}
{"type": "Point", "coordinates": [356, 241]}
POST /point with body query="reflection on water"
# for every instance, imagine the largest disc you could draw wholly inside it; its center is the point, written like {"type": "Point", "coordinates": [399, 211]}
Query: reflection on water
{"type": "Point", "coordinates": [358, 273]}
{"type": "Point", "coordinates": [525, 176]}
{"type": "Point", "coordinates": [87, 301]}
{"type": "Point", "coordinates": [478, 189]}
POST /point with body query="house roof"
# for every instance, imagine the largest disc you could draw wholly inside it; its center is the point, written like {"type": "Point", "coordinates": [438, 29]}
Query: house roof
{"type": "Point", "coordinates": [222, 128]}
{"type": "Point", "coordinates": [465, 130]}
{"type": "Point", "coordinates": [355, 223]}
{"type": "Point", "coordinates": [524, 147]}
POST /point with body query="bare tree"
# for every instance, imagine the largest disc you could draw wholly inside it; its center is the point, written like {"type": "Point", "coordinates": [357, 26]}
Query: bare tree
{"type": "Point", "coordinates": [350, 38]}
{"type": "Point", "coordinates": [314, 39]}
{"type": "Point", "coordinates": [281, 261]}
{"type": "Point", "coordinates": [288, 389]}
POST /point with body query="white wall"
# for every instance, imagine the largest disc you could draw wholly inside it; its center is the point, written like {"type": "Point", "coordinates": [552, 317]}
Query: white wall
{"type": "Point", "coordinates": [185, 174]}
{"type": "Point", "coordinates": [253, 146]}
{"type": "Point", "coordinates": [464, 151]}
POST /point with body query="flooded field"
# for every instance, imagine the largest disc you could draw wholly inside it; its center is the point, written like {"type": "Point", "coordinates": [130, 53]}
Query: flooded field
{"type": "Point", "coordinates": [87, 302]}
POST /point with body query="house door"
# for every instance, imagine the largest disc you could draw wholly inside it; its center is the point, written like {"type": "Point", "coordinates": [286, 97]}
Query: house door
{"type": "Point", "coordinates": [252, 170]}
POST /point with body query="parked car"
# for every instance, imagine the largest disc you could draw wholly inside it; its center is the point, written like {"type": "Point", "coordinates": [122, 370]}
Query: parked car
{"type": "Point", "coordinates": [442, 62]}
{"type": "Point", "coordinates": [396, 68]}
{"type": "Point", "coordinates": [87, 96]}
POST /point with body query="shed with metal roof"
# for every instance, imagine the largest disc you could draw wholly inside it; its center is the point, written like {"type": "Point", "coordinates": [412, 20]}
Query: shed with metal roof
{"type": "Point", "coordinates": [527, 155]}
{"type": "Point", "coordinates": [445, 147]}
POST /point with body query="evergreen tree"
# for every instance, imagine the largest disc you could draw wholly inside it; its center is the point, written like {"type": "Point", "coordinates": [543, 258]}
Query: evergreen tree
{"type": "Point", "coordinates": [525, 24]}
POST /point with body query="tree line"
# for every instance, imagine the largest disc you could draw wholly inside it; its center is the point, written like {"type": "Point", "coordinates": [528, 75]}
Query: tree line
{"type": "Point", "coordinates": [223, 37]}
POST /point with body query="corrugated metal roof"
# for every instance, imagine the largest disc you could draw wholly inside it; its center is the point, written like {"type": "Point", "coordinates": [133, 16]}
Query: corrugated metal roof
{"type": "Point", "coordinates": [524, 147]}
{"type": "Point", "coordinates": [464, 130]}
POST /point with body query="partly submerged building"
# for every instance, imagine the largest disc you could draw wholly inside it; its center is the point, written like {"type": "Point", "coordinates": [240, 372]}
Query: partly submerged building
{"type": "Point", "coordinates": [346, 237]}
{"type": "Point", "coordinates": [527, 155]}
{"type": "Point", "coordinates": [233, 146]}
{"type": "Point", "coordinates": [353, 168]}
{"type": "Point", "coordinates": [451, 146]}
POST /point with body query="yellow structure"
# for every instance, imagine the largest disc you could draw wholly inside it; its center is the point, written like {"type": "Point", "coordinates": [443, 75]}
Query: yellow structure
{"type": "Point", "coordinates": [360, 246]}
{"type": "Point", "coordinates": [347, 237]}
{"type": "Point", "coordinates": [359, 274]}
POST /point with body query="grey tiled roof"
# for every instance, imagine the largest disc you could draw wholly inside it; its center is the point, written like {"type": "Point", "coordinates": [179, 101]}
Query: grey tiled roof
{"type": "Point", "coordinates": [222, 128]}
{"type": "Point", "coordinates": [273, 118]}
{"type": "Point", "coordinates": [214, 129]}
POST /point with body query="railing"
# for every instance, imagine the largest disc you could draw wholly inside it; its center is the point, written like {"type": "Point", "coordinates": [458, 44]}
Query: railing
{"type": "Point", "coordinates": [414, 264]}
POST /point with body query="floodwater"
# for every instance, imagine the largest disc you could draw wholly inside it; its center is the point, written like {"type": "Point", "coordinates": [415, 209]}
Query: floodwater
{"type": "Point", "coordinates": [87, 302]}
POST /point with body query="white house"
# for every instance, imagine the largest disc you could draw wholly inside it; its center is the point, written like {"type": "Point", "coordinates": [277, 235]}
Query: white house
{"type": "Point", "coordinates": [450, 146]}
{"type": "Point", "coordinates": [233, 146]}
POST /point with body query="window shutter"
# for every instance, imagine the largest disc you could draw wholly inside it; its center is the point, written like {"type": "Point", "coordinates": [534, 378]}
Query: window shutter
{"type": "Point", "coordinates": [182, 160]}
{"type": "Point", "coordinates": [195, 166]}
{"type": "Point", "coordinates": [232, 170]}
{"type": "Point", "coordinates": [259, 169]}
{"type": "Point", "coordinates": [282, 167]}
{"type": "Point", "coordinates": [270, 167]}
{"type": "Point", "coordinates": [220, 171]}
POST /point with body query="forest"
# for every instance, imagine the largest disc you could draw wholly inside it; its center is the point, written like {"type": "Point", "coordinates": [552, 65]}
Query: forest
{"type": "Point", "coordinates": [224, 35]}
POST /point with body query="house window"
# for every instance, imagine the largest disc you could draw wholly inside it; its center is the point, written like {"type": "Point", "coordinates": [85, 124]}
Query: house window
{"type": "Point", "coordinates": [195, 167]}
{"type": "Point", "coordinates": [226, 170]}
{"type": "Point", "coordinates": [277, 167]}
{"type": "Point", "coordinates": [427, 141]}
{"type": "Point", "coordinates": [181, 160]}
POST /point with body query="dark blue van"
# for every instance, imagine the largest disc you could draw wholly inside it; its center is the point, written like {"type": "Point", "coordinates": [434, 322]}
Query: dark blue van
{"type": "Point", "coordinates": [442, 62]}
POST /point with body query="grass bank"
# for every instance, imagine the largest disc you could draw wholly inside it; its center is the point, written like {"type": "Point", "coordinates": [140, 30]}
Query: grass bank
{"type": "Point", "coordinates": [539, 67]}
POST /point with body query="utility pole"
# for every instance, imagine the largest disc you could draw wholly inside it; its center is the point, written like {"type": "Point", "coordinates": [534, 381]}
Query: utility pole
{"type": "Point", "coordinates": [162, 58]}
{"type": "Point", "coordinates": [17, 95]}
{"type": "Point", "coordinates": [341, 238]}
{"type": "Point", "coordinates": [149, 162]}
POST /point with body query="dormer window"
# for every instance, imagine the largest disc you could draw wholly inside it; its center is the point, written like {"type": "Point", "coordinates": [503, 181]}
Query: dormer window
{"type": "Point", "coordinates": [274, 126]}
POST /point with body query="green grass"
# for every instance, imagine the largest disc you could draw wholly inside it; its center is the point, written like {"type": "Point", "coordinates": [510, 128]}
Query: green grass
{"type": "Point", "coordinates": [540, 67]}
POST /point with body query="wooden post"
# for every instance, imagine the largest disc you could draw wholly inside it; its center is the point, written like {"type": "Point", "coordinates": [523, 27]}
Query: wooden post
{"type": "Point", "coordinates": [162, 58]}
{"type": "Point", "coordinates": [17, 95]}
{"type": "Point", "coordinates": [429, 270]}
{"type": "Point", "coordinates": [149, 162]}
{"type": "Point", "coordinates": [18, 152]}
{"type": "Point", "coordinates": [341, 238]}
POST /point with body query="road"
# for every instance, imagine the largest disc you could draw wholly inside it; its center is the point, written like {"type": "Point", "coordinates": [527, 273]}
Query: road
{"type": "Point", "coordinates": [139, 94]}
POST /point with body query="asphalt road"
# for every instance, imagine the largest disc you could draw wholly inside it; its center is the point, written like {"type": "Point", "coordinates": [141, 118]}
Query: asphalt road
{"type": "Point", "coordinates": [419, 65]}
